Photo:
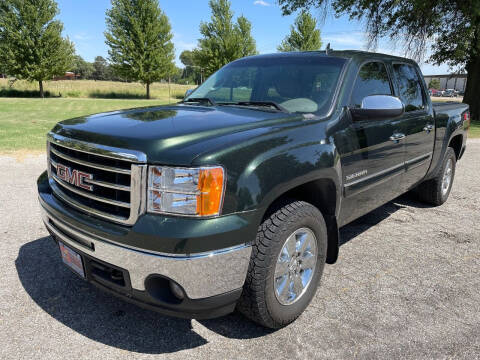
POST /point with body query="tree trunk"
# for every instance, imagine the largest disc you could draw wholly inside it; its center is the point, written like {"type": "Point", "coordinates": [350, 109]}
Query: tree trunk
{"type": "Point", "coordinates": [472, 90]}
{"type": "Point", "coordinates": [148, 90]}
{"type": "Point", "coordinates": [40, 85]}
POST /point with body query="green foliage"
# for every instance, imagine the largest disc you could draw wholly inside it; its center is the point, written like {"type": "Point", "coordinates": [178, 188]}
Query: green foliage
{"type": "Point", "coordinates": [434, 84]}
{"type": "Point", "coordinates": [101, 70]}
{"type": "Point", "coordinates": [191, 74]}
{"type": "Point", "coordinates": [140, 39]}
{"type": "Point", "coordinates": [304, 35]}
{"type": "Point", "coordinates": [223, 40]}
{"type": "Point", "coordinates": [454, 24]}
{"type": "Point", "coordinates": [31, 44]}
{"type": "Point", "coordinates": [82, 68]}
{"type": "Point", "coordinates": [186, 57]}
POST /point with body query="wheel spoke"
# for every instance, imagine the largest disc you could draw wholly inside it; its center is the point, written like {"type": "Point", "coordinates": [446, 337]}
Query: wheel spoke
{"type": "Point", "coordinates": [297, 285]}
{"type": "Point", "coordinates": [308, 262]}
{"type": "Point", "coordinates": [290, 245]}
{"type": "Point", "coordinates": [284, 292]}
{"type": "Point", "coordinates": [303, 241]}
{"type": "Point", "coordinates": [281, 269]}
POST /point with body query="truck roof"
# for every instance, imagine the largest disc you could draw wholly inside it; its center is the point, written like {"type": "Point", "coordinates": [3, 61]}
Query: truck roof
{"type": "Point", "coordinates": [358, 55]}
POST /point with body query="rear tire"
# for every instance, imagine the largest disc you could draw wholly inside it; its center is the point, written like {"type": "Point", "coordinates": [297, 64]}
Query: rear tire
{"type": "Point", "coordinates": [282, 254]}
{"type": "Point", "coordinates": [436, 191]}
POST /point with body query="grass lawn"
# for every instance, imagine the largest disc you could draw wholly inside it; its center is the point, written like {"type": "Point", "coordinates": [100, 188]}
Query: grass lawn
{"type": "Point", "coordinates": [92, 89]}
{"type": "Point", "coordinates": [25, 122]}
{"type": "Point", "coordinates": [474, 131]}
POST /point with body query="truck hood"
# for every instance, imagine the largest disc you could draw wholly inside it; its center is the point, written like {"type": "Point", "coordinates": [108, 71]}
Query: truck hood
{"type": "Point", "coordinates": [172, 134]}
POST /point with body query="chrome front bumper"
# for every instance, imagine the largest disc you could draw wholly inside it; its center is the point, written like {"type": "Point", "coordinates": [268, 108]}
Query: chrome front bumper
{"type": "Point", "coordinates": [201, 275]}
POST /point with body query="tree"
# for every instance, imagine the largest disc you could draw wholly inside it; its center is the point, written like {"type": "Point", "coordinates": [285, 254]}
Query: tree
{"type": "Point", "coordinates": [140, 39]}
{"type": "Point", "coordinates": [434, 84]}
{"type": "Point", "coordinates": [100, 69]}
{"type": "Point", "coordinates": [304, 35]}
{"type": "Point", "coordinates": [186, 57]}
{"type": "Point", "coordinates": [192, 73]}
{"type": "Point", "coordinates": [82, 68]}
{"type": "Point", "coordinates": [32, 44]}
{"type": "Point", "coordinates": [454, 25]}
{"type": "Point", "coordinates": [223, 40]}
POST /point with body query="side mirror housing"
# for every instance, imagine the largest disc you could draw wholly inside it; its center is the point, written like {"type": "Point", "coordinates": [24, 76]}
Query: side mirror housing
{"type": "Point", "coordinates": [378, 107]}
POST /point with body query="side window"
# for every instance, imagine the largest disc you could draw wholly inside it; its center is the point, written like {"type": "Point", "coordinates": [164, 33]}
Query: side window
{"type": "Point", "coordinates": [409, 87]}
{"type": "Point", "coordinates": [372, 79]}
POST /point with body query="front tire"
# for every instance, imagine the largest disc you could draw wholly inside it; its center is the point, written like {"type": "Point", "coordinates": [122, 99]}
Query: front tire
{"type": "Point", "coordinates": [286, 265]}
{"type": "Point", "coordinates": [436, 191]}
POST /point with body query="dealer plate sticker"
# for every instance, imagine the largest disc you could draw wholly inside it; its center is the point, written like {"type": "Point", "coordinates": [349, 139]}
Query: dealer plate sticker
{"type": "Point", "coordinates": [72, 259]}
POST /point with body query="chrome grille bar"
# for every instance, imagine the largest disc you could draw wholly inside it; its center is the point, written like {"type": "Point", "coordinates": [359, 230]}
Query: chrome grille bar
{"type": "Point", "coordinates": [90, 196]}
{"type": "Point", "coordinates": [89, 164]}
{"type": "Point", "coordinates": [58, 192]}
{"type": "Point", "coordinates": [98, 182]}
{"type": "Point", "coordinates": [129, 193]}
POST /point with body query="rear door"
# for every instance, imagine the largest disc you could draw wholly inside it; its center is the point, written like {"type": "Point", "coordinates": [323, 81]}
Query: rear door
{"type": "Point", "coordinates": [417, 124]}
{"type": "Point", "coordinates": [371, 161]}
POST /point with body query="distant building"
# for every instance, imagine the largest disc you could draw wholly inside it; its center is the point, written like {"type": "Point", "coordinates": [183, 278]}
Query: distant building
{"type": "Point", "coordinates": [68, 76]}
{"type": "Point", "coordinates": [451, 81]}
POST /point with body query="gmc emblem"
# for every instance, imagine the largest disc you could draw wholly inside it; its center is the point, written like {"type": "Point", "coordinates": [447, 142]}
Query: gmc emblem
{"type": "Point", "coordinates": [74, 177]}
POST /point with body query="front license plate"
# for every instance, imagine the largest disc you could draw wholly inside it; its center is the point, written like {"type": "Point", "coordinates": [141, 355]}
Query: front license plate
{"type": "Point", "coordinates": [72, 259]}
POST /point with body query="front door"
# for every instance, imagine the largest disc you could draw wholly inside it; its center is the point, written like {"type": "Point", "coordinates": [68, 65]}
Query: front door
{"type": "Point", "coordinates": [372, 159]}
{"type": "Point", "coordinates": [418, 124]}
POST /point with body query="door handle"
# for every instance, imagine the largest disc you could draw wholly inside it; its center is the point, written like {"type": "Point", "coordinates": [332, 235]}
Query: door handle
{"type": "Point", "coordinates": [428, 128]}
{"type": "Point", "coordinates": [397, 137]}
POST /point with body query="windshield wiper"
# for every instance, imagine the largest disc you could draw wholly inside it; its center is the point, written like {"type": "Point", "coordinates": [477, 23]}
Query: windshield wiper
{"type": "Point", "coordinates": [269, 104]}
{"type": "Point", "coordinates": [200, 100]}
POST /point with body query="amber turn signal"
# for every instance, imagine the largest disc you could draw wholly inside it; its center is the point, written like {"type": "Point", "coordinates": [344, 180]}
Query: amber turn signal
{"type": "Point", "coordinates": [210, 186]}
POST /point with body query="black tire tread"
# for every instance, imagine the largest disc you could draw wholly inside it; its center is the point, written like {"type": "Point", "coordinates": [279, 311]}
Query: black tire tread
{"type": "Point", "coordinates": [252, 303]}
{"type": "Point", "coordinates": [430, 191]}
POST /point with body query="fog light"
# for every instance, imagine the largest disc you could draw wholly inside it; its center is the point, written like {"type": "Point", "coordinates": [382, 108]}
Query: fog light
{"type": "Point", "coordinates": [176, 290]}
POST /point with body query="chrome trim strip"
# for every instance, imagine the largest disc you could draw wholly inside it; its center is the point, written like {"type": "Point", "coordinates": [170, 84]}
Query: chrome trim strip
{"type": "Point", "coordinates": [403, 164]}
{"type": "Point", "coordinates": [201, 276]}
{"type": "Point", "coordinates": [49, 169]}
{"type": "Point", "coordinates": [421, 157]}
{"type": "Point", "coordinates": [108, 185]}
{"type": "Point", "coordinates": [138, 194]}
{"type": "Point", "coordinates": [375, 175]}
{"type": "Point", "coordinates": [95, 149]}
{"type": "Point", "coordinates": [58, 192]}
{"type": "Point", "coordinates": [90, 164]}
{"type": "Point", "coordinates": [90, 196]}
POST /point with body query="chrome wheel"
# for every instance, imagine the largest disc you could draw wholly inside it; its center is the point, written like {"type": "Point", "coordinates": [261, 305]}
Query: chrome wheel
{"type": "Point", "coordinates": [295, 266]}
{"type": "Point", "coordinates": [447, 177]}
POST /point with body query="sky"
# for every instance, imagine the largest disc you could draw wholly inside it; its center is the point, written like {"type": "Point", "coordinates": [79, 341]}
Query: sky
{"type": "Point", "coordinates": [84, 24]}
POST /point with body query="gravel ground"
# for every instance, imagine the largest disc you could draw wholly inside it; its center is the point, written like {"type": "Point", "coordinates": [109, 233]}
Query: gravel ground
{"type": "Point", "coordinates": [407, 285]}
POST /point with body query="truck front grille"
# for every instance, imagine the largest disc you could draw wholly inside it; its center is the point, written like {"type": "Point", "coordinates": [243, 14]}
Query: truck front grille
{"type": "Point", "coordinates": [99, 182]}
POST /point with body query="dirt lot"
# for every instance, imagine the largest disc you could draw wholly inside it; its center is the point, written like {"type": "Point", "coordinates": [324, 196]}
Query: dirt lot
{"type": "Point", "coordinates": [407, 285]}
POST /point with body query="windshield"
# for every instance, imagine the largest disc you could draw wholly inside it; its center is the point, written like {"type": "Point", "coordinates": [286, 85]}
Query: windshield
{"type": "Point", "coordinates": [302, 83]}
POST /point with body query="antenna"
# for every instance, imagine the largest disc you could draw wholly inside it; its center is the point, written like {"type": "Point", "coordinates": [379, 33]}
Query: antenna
{"type": "Point", "coordinates": [328, 50]}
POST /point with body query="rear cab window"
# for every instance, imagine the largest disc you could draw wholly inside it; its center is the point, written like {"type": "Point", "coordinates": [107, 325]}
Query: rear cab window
{"type": "Point", "coordinates": [409, 86]}
{"type": "Point", "coordinates": [372, 79]}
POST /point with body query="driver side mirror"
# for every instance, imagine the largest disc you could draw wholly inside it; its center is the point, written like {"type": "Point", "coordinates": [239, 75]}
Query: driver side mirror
{"type": "Point", "coordinates": [378, 107]}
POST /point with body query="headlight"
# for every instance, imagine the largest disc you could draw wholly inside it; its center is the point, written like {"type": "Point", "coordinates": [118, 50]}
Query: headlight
{"type": "Point", "coordinates": [185, 191]}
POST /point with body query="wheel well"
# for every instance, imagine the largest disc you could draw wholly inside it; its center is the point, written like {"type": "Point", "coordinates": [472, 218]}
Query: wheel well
{"type": "Point", "coordinates": [456, 145]}
{"type": "Point", "coordinates": [322, 194]}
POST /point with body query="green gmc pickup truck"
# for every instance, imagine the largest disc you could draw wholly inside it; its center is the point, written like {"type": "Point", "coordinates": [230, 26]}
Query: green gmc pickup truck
{"type": "Point", "coordinates": [234, 197]}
